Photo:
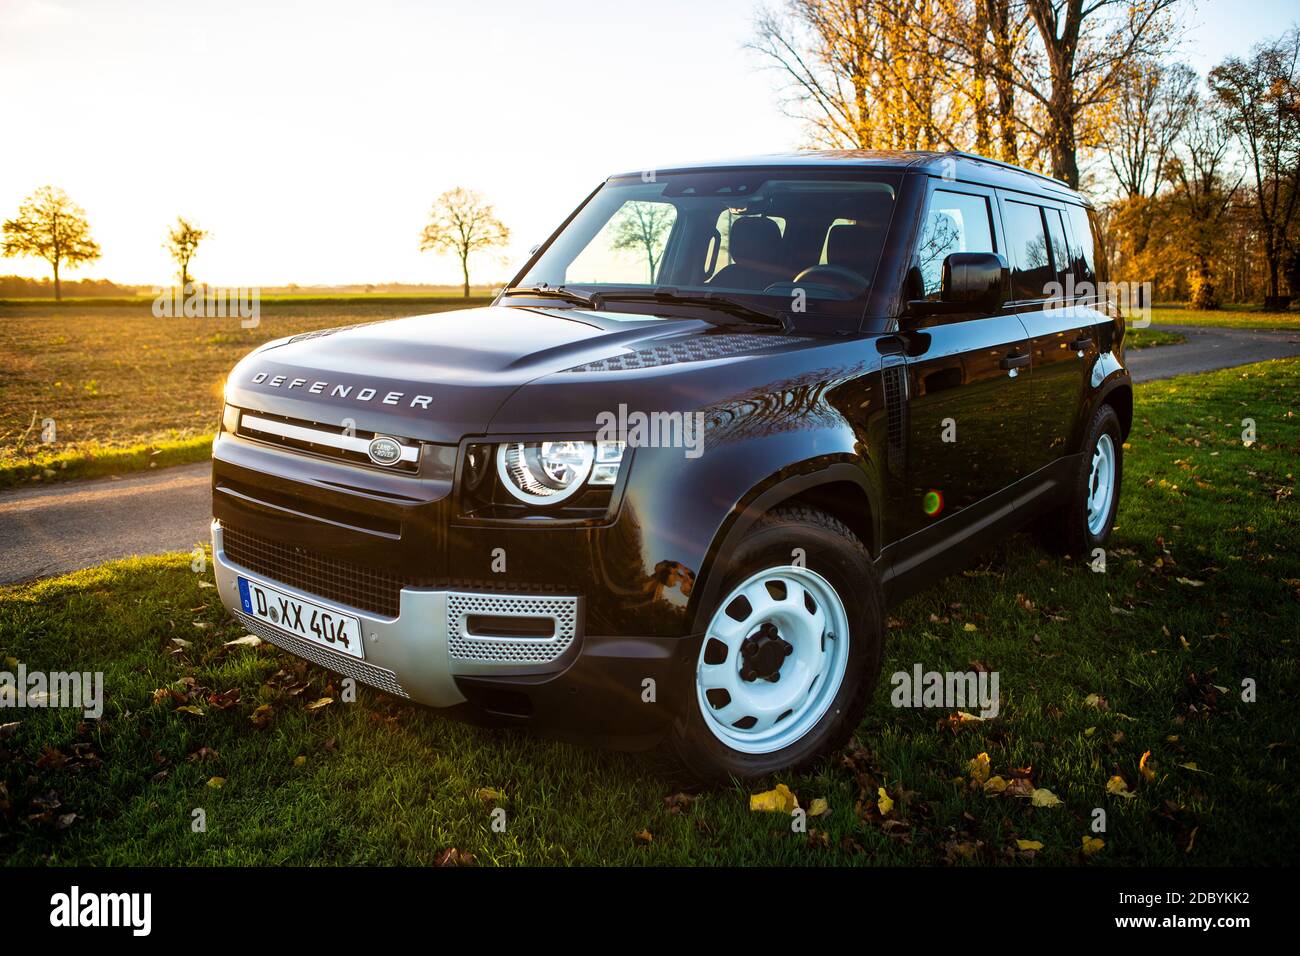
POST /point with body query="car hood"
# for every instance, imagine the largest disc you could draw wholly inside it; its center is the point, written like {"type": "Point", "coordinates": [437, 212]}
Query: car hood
{"type": "Point", "coordinates": [443, 376]}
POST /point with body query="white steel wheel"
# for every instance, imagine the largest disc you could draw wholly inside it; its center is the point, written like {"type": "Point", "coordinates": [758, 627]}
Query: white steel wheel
{"type": "Point", "coordinates": [772, 660]}
{"type": "Point", "coordinates": [1101, 484]}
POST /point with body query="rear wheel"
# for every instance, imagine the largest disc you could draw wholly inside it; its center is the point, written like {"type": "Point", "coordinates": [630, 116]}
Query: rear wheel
{"type": "Point", "coordinates": [791, 652]}
{"type": "Point", "coordinates": [1085, 519]}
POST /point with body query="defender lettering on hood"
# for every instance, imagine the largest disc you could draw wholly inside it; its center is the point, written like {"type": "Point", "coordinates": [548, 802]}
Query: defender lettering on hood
{"type": "Point", "coordinates": [318, 387]}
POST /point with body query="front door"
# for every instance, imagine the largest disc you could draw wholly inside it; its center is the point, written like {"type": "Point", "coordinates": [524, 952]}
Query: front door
{"type": "Point", "coordinates": [968, 389]}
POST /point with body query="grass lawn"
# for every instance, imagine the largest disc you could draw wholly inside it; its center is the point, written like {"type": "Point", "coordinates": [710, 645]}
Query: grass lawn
{"type": "Point", "coordinates": [1151, 337]}
{"type": "Point", "coordinates": [125, 388]}
{"type": "Point", "coordinates": [1201, 591]}
{"type": "Point", "coordinates": [1236, 318]}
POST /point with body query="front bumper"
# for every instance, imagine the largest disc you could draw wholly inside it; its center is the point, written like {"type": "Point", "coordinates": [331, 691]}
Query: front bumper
{"type": "Point", "coordinates": [616, 690]}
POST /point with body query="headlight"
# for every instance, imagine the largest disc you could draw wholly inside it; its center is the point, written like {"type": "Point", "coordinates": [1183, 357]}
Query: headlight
{"type": "Point", "coordinates": [548, 472]}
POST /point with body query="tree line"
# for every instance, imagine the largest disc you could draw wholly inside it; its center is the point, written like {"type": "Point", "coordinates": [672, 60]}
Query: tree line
{"type": "Point", "coordinates": [50, 226]}
{"type": "Point", "coordinates": [1197, 177]}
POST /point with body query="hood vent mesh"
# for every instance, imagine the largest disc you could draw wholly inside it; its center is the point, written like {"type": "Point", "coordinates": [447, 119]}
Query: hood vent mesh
{"type": "Point", "coordinates": [693, 349]}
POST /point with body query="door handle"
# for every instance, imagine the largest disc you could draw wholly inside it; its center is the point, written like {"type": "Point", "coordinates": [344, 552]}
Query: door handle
{"type": "Point", "coordinates": [1014, 361]}
{"type": "Point", "coordinates": [1078, 345]}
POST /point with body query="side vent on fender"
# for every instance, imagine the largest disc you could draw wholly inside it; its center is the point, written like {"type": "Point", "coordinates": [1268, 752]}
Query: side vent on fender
{"type": "Point", "coordinates": [895, 382]}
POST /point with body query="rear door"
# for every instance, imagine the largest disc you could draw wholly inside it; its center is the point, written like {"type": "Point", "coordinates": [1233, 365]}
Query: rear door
{"type": "Point", "coordinates": [1043, 290]}
{"type": "Point", "coordinates": [967, 397]}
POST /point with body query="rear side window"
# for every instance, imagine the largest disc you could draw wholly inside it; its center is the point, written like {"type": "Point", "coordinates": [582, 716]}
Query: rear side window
{"type": "Point", "coordinates": [1061, 258]}
{"type": "Point", "coordinates": [955, 222]}
{"type": "Point", "coordinates": [1031, 267]}
{"type": "Point", "coordinates": [1083, 252]}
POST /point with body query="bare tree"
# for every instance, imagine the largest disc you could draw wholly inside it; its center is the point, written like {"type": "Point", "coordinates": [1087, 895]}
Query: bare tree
{"type": "Point", "coordinates": [50, 226]}
{"type": "Point", "coordinates": [1262, 97]}
{"type": "Point", "coordinates": [461, 221]}
{"type": "Point", "coordinates": [1152, 105]}
{"type": "Point", "coordinates": [643, 226]}
{"type": "Point", "coordinates": [183, 245]}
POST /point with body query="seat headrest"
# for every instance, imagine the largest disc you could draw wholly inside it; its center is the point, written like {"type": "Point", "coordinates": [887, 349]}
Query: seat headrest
{"type": "Point", "coordinates": [755, 240]}
{"type": "Point", "coordinates": [853, 247]}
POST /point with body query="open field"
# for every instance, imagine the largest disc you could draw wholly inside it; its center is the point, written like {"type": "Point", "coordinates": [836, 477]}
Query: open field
{"type": "Point", "coordinates": [122, 385]}
{"type": "Point", "coordinates": [127, 390]}
{"type": "Point", "coordinates": [1201, 591]}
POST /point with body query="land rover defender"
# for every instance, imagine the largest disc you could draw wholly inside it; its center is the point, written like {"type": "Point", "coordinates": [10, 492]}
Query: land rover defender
{"type": "Point", "coordinates": [667, 483]}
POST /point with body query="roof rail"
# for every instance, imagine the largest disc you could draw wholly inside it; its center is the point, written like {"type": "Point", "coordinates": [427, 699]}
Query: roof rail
{"type": "Point", "coordinates": [1005, 165]}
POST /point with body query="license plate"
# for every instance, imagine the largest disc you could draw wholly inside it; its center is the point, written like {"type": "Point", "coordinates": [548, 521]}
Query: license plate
{"type": "Point", "coordinates": [320, 625]}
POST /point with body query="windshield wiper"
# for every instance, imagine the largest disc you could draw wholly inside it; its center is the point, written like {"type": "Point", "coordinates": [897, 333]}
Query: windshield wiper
{"type": "Point", "coordinates": [712, 300]}
{"type": "Point", "coordinates": [555, 292]}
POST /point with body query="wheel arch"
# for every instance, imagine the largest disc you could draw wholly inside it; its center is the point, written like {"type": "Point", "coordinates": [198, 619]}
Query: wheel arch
{"type": "Point", "coordinates": [839, 488]}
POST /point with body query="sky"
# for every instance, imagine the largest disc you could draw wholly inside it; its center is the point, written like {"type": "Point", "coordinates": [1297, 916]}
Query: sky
{"type": "Point", "coordinates": [311, 138]}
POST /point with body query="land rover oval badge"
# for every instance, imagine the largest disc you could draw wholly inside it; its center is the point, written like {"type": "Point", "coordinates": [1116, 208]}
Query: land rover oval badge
{"type": "Point", "coordinates": [384, 451]}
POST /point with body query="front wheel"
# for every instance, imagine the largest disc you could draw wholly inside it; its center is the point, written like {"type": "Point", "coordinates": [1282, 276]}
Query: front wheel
{"type": "Point", "coordinates": [791, 653]}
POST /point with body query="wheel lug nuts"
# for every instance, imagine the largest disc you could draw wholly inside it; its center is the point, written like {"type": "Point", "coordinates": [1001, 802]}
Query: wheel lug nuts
{"type": "Point", "coordinates": [776, 676]}
{"type": "Point", "coordinates": [748, 650]}
{"type": "Point", "coordinates": [787, 647]}
{"type": "Point", "coordinates": [748, 674]}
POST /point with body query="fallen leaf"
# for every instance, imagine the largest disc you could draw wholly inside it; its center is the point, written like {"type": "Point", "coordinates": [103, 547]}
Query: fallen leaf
{"type": "Point", "coordinates": [190, 709]}
{"type": "Point", "coordinates": [318, 704]}
{"type": "Point", "coordinates": [1190, 583]}
{"type": "Point", "coordinates": [248, 640]}
{"type": "Point", "coordinates": [644, 837]}
{"type": "Point", "coordinates": [1092, 844]}
{"type": "Point", "coordinates": [1029, 845]}
{"type": "Point", "coordinates": [262, 716]}
{"type": "Point", "coordinates": [1147, 772]}
{"type": "Point", "coordinates": [884, 804]}
{"type": "Point", "coordinates": [453, 857]}
{"type": "Point", "coordinates": [299, 761]}
{"type": "Point", "coordinates": [1042, 797]}
{"type": "Point", "coordinates": [779, 800]}
{"type": "Point", "coordinates": [1118, 787]}
{"type": "Point", "coordinates": [216, 783]}
{"type": "Point", "coordinates": [979, 768]}
{"type": "Point", "coordinates": [819, 807]}
{"type": "Point", "coordinates": [994, 785]}
{"type": "Point", "coordinates": [490, 795]}
{"type": "Point", "coordinates": [677, 802]}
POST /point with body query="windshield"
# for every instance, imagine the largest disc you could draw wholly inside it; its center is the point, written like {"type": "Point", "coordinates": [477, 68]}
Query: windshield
{"type": "Point", "coordinates": [777, 241]}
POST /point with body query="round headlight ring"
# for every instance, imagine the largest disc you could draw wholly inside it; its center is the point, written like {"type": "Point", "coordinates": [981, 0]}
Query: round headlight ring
{"type": "Point", "coordinates": [544, 472]}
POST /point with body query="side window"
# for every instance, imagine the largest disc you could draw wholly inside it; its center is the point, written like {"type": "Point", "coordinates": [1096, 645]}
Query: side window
{"type": "Point", "coordinates": [1031, 268]}
{"type": "Point", "coordinates": [955, 222]}
{"type": "Point", "coordinates": [1061, 258]}
{"type": "Point", "coordinates": [628, 248]}
{"type": "Point", "coordinates": [1083, 254]}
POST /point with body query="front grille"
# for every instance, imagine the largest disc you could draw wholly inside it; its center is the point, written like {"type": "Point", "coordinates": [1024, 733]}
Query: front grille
{"type": "Point", "coordinates": [352, 585]}
{"type": "Point", "coordinates": [461, 645]}
{"type": "Point", "coordinates": [336, 441]}
{"type": "Point", "coordinates": [368, 674]}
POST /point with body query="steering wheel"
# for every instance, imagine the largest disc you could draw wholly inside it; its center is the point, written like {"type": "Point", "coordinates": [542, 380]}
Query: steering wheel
{"type": "Point", "coordinates": [835, 276]}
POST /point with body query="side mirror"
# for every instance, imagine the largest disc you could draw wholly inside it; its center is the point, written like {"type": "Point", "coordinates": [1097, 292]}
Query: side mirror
{"type": "Point", "coordinates": [979, 280]}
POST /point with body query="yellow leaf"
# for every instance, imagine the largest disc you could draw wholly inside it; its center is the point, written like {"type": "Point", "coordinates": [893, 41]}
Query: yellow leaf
{"type": "Point", "coordinates": [1042, 797]}
{"type": "Point", "coordinates": [780, 800]}
{"type": "Point", "coordinates": [261, 716]}
{"type": "Point", "coordinates": [299, 760]}
{"type": "Point", "coordinates": [216, 783]}
{"type": "Point", "coordinates": [979, 768]}
{"type": "Point", "coordinates": [318, 704]}
{"type": "Point", "coordinates": [1029, 844]}
{"type": "Point", "coordinates": [1147, 772]}
{"type": "Point", "coordinates": [190, 709]}
{"type": "Point", "coordinates": [994, 785]}
{"type": "Point", "coordinates": [968, 626]}
{"type": "Point", "coordinates": [644, 837]}
{"type": "Point", "coordinates": [884, 804]}
{"type": "Point", "coordinates": [1090, 731]}
{"type": "Point", "coordinates": [490, 795]}
{"type": "Point", "coordinates": [819, 807]}
{"type": "Point", "coordinates": [965, 718]}
{"type": "Point", "coordinates": [1092, 844]}
{"type": "Point", "coordinates": [1117, 786]}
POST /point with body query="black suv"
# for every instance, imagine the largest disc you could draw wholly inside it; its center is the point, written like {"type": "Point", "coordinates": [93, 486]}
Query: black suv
{"type": "Point", "coordinates": [667, 483]}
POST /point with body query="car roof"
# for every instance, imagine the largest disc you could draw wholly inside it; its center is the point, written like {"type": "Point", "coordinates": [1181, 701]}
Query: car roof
{"type": "Point", "coordinates": [951, 164]}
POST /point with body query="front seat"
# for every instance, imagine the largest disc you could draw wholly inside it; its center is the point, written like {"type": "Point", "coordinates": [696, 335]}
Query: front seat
{"type": "Point", "coordinates": [755, 248]}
